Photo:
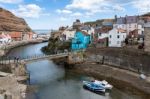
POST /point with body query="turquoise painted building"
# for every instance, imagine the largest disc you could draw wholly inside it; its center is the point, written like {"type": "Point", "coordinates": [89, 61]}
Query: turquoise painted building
{"type": "Point", "coordinates": [81, 40]}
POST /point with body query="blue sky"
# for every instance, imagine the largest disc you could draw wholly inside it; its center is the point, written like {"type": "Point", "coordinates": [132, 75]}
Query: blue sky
{"type": "Point", "coordinates": [50, 14]}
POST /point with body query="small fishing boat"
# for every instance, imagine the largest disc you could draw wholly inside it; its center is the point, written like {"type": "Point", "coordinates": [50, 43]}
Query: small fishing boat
{"type": "Point", "coordinates": [97, 86]}
{"type": "Point", "coordinates": [104, 83]}
{"type": "Point", "coordinates": [93, 87]}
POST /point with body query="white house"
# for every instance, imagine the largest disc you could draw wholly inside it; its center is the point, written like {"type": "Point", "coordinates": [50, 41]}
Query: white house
{"type": "Point", "coordinates": [90, 30]}
{"type": "Point", "coordinates": [4, 38]}
{"type": "Point", "coordinates": [129, 23]}
{"type": "Point", "coordinates": [68, 33]}
{"type": "Point", "coordinates": [116, 37]}
{"type": "Point", "coordinates": [130, 27]}
{"type": "Point", "coordinates": [102, 35]}
{"type": "Point", "coordinates": [34, 36]}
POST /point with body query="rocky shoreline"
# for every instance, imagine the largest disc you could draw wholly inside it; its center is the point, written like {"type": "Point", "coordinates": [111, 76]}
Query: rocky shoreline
{"type": "Point", "coordinates": [12, 84]}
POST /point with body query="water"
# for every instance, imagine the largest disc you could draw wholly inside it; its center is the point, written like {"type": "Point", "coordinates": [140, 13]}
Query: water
{"type": "Point", "coordinates": [54, 82]}
{"type": "Point", "coordinates": [42, 31]}
{"type": "Point", "coordinates": [27, 51]}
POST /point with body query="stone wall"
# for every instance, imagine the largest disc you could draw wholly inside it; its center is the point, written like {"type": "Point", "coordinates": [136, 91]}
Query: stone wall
{"type": "Point", "coordinates": [129, 59]}
{"type": "Point", "coordinates": [147, 37]}
{"type": "Point", "coordinates": [138, 65]}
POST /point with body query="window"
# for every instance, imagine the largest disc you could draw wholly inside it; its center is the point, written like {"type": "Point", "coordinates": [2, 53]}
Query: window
{"type": "Point", "coordinates": [129, 25]}
{"type": "Point", "coordinates": [100, 34]}
{"type": "Point", "coordinates": [118, 36]}
{"type": "Point", "coordinates": [110, 36]}
{"type": "Point", "coordinates": [118, 42]}
{"type": "Point", "coordinates": [109, 42]}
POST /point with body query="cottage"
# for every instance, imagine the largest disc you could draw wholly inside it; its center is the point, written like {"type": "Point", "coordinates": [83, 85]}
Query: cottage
{"type": "Point", "coordinates": [129, 23]}
{"type": "Point", "coordinates": [5, 38]}
{"type": "Point", "coordinates": [68, 34]}
{"type": "Point", "coordinates": [117, 37]}
{"type": "Point", "coordinates": [27, 35]}
{"type": "Point", "coordinates": [81, 40]}
{"type": "Point", "coordinates": [34, 36]}
{"type": "Point", "coordinates": [102, 36]}
{"type": "Point", "coordinates": [16, 36]}
{"type": "Point", "coordinates": [89, 29]}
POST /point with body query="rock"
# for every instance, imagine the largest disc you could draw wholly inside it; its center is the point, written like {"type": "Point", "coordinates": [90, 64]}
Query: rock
{"type": "Point", "coordinates": [10, 22]}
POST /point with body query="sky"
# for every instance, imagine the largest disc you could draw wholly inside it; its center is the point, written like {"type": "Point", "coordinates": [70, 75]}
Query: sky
{"type": "Point", "coordinates": [51, 14]}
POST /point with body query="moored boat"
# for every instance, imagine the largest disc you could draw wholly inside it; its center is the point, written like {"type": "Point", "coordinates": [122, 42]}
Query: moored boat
{"type": "Point", "coordinates": [93, 87]}
{"type": "Point", "coordinates": [97, 86]}
{"type": "Point", "coordinates": [104, 83]}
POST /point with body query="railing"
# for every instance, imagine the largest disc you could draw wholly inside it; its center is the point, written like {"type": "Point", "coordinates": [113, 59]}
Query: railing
{"type": "Point", "coordinates": [8, 60]}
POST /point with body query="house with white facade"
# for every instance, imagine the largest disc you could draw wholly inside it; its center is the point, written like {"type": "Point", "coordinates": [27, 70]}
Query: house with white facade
{"type": "Point", "coordinates": [88, 29]}
{"type": "Point", "coordinates": [102, 36]}
{"type": "Point", "coordinates": [5, 38]}
{"type": "Point", "coordinates": [129, 23]}
{"type": "Point", "coordinates": [116, 37]}
{"type": "Point", "coordinates": [68, 34]}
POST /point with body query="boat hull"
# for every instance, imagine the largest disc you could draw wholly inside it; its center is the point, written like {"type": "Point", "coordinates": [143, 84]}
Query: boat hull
{"type": "Point", "coordinates": [93, 90]}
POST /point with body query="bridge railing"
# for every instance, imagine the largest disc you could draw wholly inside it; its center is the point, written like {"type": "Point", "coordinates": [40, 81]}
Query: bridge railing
{"type": "Point", "coordinates": [17, 59]}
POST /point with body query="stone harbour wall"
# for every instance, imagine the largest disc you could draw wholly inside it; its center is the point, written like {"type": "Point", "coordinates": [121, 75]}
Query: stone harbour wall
{"type": "Point", "coordinates": [147, 39]}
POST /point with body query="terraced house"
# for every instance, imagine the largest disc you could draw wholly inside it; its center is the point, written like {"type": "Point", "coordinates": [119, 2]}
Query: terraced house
{"type": "Point", "coordinates": [130, 24]}
{"type": "Point", "coordinates": [81, 40]}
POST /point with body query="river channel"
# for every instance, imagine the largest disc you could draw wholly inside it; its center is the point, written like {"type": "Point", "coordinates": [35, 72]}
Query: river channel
{"type": "Point", "coordinates": [54, 82]}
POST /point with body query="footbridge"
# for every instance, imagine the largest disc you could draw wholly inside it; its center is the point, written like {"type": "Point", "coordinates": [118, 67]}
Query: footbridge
{"type": "Point", "coordinates": [7, 60]}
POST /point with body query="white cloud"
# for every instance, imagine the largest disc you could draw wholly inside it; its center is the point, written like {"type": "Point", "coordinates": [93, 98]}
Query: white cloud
{"type": "Point", "coordinates": [63, 19]}
{"type": "Point", "coordinates": [77, 14]}
{"type": "Point", "coordinates": [91, 7]}
{"type": "Point", "coordinates": [143, 6]}
{"type": "Point", "coordinates": [11, 1]}
{"type": "Point", "coordinates": [85, 4]}
{"type": "Point", "coordinates": [29, 11]}
{"type": "Point", "coordinates": [63, 11]}
{"type": "Point", "coordinates": [118, 8]}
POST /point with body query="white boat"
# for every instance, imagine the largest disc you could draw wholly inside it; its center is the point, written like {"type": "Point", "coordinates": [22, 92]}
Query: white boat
{"type": "Point", "coordinates": [104, 83]}
{"type": "Point", "coordinates": [93, 87]}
